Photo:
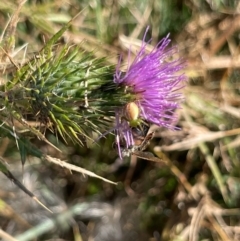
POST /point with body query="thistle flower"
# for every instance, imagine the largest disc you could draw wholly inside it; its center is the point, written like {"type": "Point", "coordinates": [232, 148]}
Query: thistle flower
{"type": "Point", "coordinates": [153, 81]}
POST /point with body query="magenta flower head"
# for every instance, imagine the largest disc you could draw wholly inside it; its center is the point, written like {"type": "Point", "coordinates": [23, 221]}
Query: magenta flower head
{"type": "Point", "coordinates": [154, 81]}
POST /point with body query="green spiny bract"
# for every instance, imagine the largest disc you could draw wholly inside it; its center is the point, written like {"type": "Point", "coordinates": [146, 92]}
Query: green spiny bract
{"type": "Point", "coordinates": [68, 91]}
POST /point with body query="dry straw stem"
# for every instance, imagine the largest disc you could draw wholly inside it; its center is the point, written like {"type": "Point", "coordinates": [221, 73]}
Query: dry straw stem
{"type": "Point", "coordinates": [219, 31]}
{"type": "Point", "coordinates": [8, 212]}
{"type": "Point", "coordinates": [174, 169]}
{"type": "Point", "coordinates": [207, 209]}
{"type": "Point", "coordinates": [9, 40]}
{"type": "Point", "coordinates": [215, 62]}
{"type": "Point", "coordinates": [12, 178]}
{"type": "Point", "coordinates": [201, 138]}
{"type": "Point", "coordinates": [209, 157]}
{"type": "Point", "coordinates": [215, 170]}
{"type": "Point", "coordinates": [75, 168]}
{"type": "Point", "coordinates": [5, 236]}
{"type": "Point", "coordinates": [162, 158]}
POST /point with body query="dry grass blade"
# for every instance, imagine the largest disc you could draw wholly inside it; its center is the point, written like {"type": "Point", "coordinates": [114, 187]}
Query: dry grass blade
{"type": "Point", "coordinates": [35, 131]}
{"type": "Point", "coordinates": [211, 63]}
{"type": "Point", "coordinates": [220, 226]}
{"type": "Point", "coordinates": [76, 168]}
{"type": "Point", "coordinates": [208, 209]}
{"type": "Point", "coordinates": [194, 142]}
{"type": "Point", "coordinates": [9, 42]}
{"type": "Point", "coordinates": [215, 170]}
{"type": "Point", "coordinates": [197, 217]}
{"type": "Point", "coordinates": [163, 159]}
{"type": "Point", "coordinates": [10, 176]}
{"type": "Point", "coordinates": [7, 211]}
{"type": "Point", "coordinates": [180, 176]}
{"type": "Point", "coordinates": [5, 236]}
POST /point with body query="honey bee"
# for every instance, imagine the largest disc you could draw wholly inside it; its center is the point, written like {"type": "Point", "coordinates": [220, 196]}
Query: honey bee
{"type": "Point", "coordinates": [140, 143]}
{"type": "Point", "coordinates": [141, 136]}
{"type": "Point", "coordinates": [141, 139]}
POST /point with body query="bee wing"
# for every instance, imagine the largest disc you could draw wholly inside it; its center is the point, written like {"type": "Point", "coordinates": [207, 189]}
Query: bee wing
{"type": "Point", "coordinates": [147, 156]}
{"type": "Point", "coordinates": [146, 140]}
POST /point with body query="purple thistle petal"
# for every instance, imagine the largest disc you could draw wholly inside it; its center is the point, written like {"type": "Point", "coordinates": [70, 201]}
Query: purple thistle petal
{"type": "Point", "coordinates": [155, 83]}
